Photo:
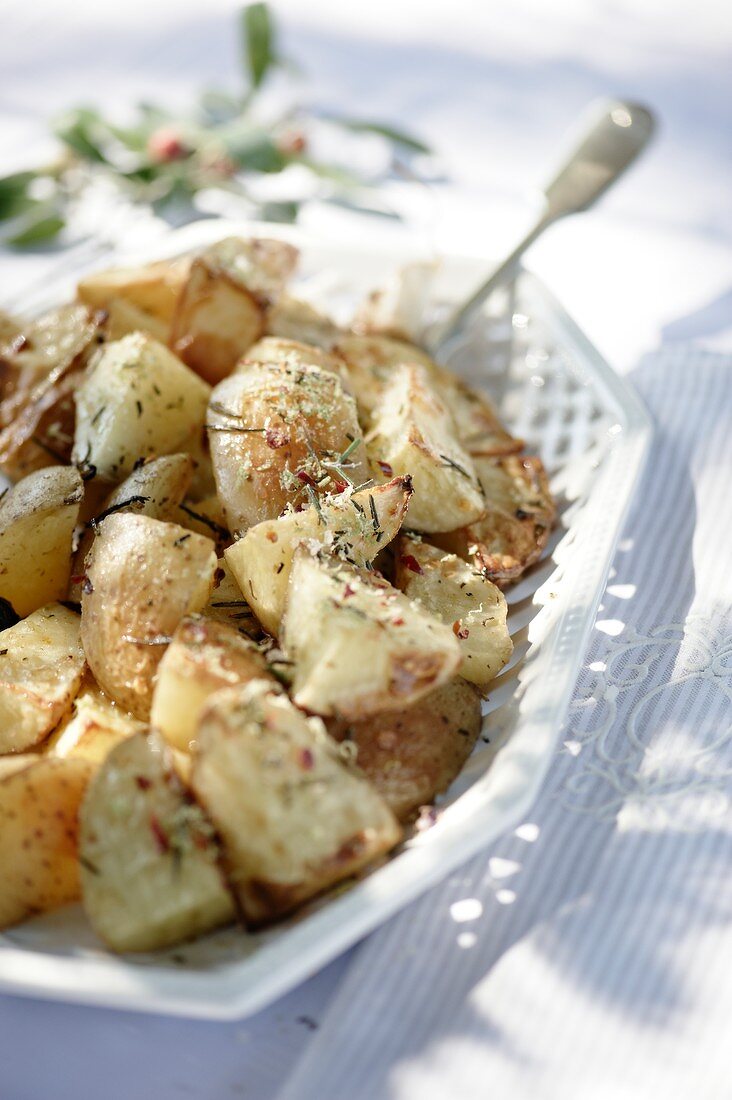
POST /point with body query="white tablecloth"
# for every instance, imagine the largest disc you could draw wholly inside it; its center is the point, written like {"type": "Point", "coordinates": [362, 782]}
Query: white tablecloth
{"type": "Point", "coordinates": [593, 956]}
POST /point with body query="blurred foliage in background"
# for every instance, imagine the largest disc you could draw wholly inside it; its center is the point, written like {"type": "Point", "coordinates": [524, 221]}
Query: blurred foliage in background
{"type": "Point", "coordinates": [230, 143]}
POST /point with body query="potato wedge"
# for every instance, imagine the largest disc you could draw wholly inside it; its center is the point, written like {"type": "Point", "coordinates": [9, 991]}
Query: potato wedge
{"type": "Point", "coordinates": [222, 308]}
{"type": "Point", "coordinates": [355, 527]}
{"type": "Point", "coordinates": [38, 413]}
{"type": "Point", "coordinates": [124, 317]}
{"type": "Point", "coordinates": [520, 513]}
{"type": "Point", "coordinates": [413, 432]}
{"type": "Point", "coordinates": [142, 577]}
{"type": "Point", "coordinates": [95, 725]}
{"type": "Point", "coordinates": [152, 289]}
{"type": "Point", "coordinates": [372, 362]}
{"type": "Point", "coordinates": [51, 344]}
{"type": "Point", "coordinates": [203, 657]}
{"type": "Point", "coordinates": [41, 665]}
{"type": "Point", "coordinates": [292, 319]}
{"type": "Point", "coordinates": [149, 856]}
{"type": "Point", "coordinates": [39, 805]}
{"type": "Point", "coordinates": [137, 401]}
{"type": "Point", "coordinates": [414, 754]}
{"type": "Point", "coordinates": [293, 818]}
{"type": "Point", "coordinates": [277, 433]}
{"type": "Point", "coordinates": [465, 599]}
{"type": "Point", "coordinates": [358, 645]}
{"type": "Point", "coordinates": [39, 512]}
{"type": "Point", "coordinates": [398, 308]}
{"type": "Point", "coordinates": [154, 488]}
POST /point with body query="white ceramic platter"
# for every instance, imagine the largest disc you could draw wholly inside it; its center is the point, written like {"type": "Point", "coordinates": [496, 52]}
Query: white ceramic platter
{"type": "Point", "coordinates": [555, 391]}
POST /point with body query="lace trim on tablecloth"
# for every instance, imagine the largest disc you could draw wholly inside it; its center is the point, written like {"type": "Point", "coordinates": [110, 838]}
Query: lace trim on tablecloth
{"type": "Point", "coordinates": [651, 729]}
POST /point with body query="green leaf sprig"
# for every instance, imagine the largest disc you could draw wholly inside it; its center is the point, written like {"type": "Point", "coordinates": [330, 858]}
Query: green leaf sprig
{"type": "Point", "coordinates": [164, 160]}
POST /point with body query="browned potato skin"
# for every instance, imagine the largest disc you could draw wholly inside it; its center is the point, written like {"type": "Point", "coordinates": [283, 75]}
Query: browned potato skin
{"type": "Point", "coordinates": [372, 360]}
{"type": "Point", "coordinates": [39, 805]}
{"type": "Point", "coordinates": [38, 414]}
{"type": "Point", "coordinates": [41, 666]}
{"type": "Point", "coordinates": [143, 576]}
{"type": "Point", "coordinates": [40, 512]}
{"type": "Point", "coordinates": [155, 488]}
{"type": "Point", "coordinates": [52, 343]}
{"type": "Point", "coordinates": [222, 308]}
{"type": "Point", "coordinates": [520, 513]}
{"type": "Point", "coordinates": [271, 350]}
{"type": "Point", "coordinates": [209, 348]}
{"type": "Point", "coordinates": [292, 319]}
{"type": "Point", "coordinates": [414, 754]}
{"type": "Point", "coordinates": [265, 425]}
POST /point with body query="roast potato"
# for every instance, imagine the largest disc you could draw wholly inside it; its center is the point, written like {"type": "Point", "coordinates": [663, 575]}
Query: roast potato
{"type": "Point", "coordinates": [154, 488]}
{"type": "Point", "coordinates": [293, 818]}
{"type": "Point", "coordinates": [358, 645]}
{"type": "Point", "coordinates": [96, 724]}
{"type": "Point", "coordinates": [281, 434]}
{"type": "Point", "coordinates": [372, 361]}
{"type": "Point", "coordinates": [223, 306]}
{"type": "Point", "coordinates": [39, 805]}
{"type": "Point", "coordinates": [41, 665]}
{"type": "Point", "coordinates": [152, 289]}
{"type": "Point", "coordinates": [40, 512]}
{"type": "Point", "coordinates": [50, 344]}
{"type": "Point", "coordinates": [398, 308]}
{"type": "Point", "coordinates": [414, 754]}
{"type": "Point", "coordinates": [142, 577]}
{"type": "Point", "coordinates": [203, 657]}
{"type": "Point", "coordinates": [457, 594]}
{"type": "Point", "coordinates": [138, 400]}
{"type": "Point", "coordinates": [149, 856]}
{"type": "Point", "coordinates": [413, 432]}
{"type": "Point", "coordinates": [519, 516]}
{"type": "Point", "coordinates": [38, 413]}
{"type": "Point", "coordinates": [124, 317]}
{"type": "Point", "coordinates": [355, 527]}
{"type": "Point", "coordinates": [292, 319]}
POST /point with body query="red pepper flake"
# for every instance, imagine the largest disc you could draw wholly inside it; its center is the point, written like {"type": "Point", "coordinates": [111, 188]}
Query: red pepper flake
{"type": "Point", "coordinates": [411, 562]}
{"type": "Point", "coordinates": [460, 631]}
{"type": "Point", "coordinates": [386, 469]}
{"type": "Point", "coordinates": [397, 622]}
{"type": "Point", "coordinates": [305, 478]}
{"type": "Point", "coordinates": [306, 760]}
{"type": "Point", "coordinates": [143, 782]}
{"type": "Point", "coordinates": [339, 486]}
{"type": "Point", "coordinates": [276, 438]}
{"type": "Point", "coordinates": [161, 837]}
{"type": "Point", "coordinates": [348, 591]}
{"type": "Point", "coordinates": [272, 536]}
